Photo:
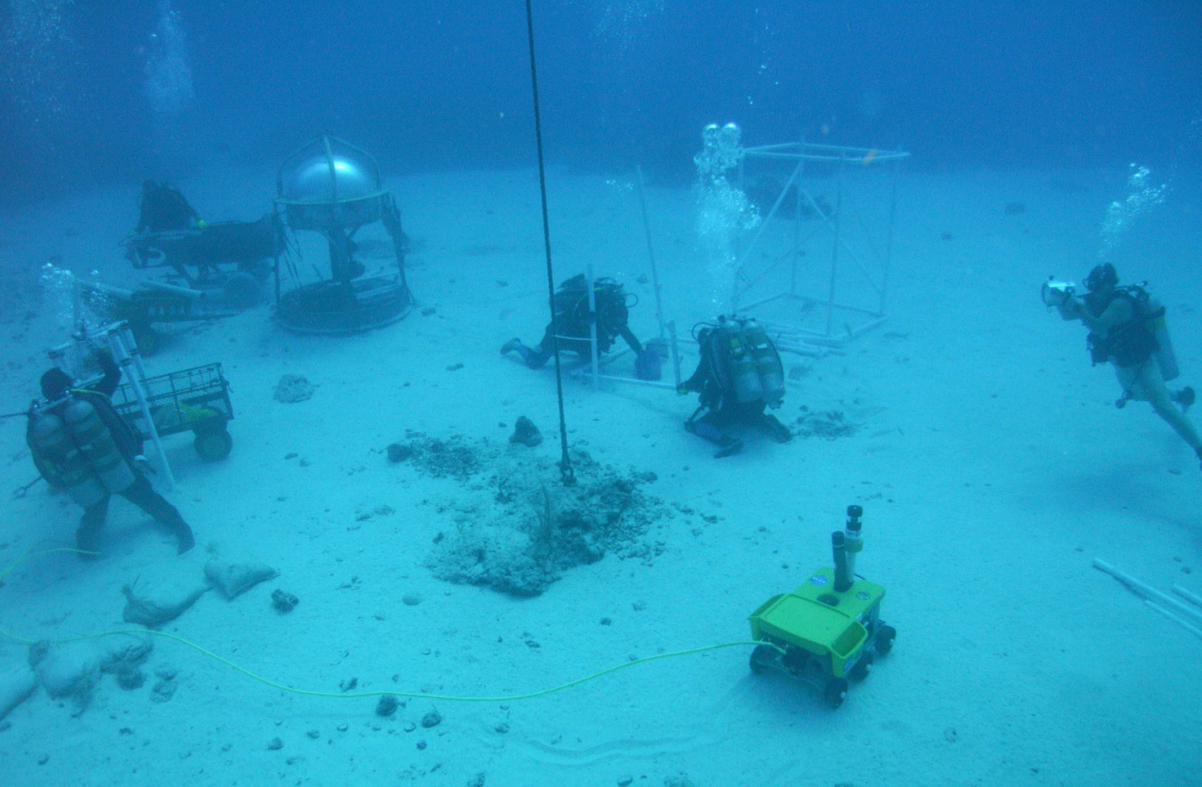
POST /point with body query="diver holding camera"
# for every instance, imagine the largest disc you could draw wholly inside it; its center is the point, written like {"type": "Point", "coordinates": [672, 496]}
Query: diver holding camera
{"type": "Point", "coordinates": [1127, 329]}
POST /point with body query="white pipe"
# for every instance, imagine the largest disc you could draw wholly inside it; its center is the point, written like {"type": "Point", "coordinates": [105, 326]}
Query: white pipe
{"type": "Point", "coordinates": [1150, 593]}
{"type": "Point", "coordinates": [1187, 595]}
{"type": "Point", "coordinates": [125, 352]}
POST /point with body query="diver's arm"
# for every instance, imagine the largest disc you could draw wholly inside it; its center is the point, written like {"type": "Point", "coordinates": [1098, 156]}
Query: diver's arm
{"type": "Point", "coordinates": [631, 339]}
{"type": "Point", "coordinates": [112, 373]}
{"type": "Point", "coordinates": [1118, 312]}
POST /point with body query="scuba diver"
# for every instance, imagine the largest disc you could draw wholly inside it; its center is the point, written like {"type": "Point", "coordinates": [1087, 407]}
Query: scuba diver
{"type": "Point", "coordinates": [164, 209]}
{"type": "Point", "coordinates": [1127, 329]}
{"type": "Point", "coordinates": [739, 375]}
{"type": "Point", "coordinates": [81, 444]}
{"type": "Point", "coordinates": [572, 321]}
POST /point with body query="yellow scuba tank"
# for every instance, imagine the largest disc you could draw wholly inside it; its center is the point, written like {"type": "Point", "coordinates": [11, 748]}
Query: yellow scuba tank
{"type": "Point", "coordinates": [96, 443]}
{"type": "Point", "coordinates": [767, 362]}
{"type": "Point", "coordinates": [744, 375]}
{"type": "Point", "coordinates": [53, 448]}
{"type": "Point", "coordinates": [1166, 359]}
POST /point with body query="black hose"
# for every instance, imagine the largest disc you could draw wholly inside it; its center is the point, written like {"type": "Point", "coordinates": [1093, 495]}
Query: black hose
{"type": "Point", "coordinates": [565, 461]}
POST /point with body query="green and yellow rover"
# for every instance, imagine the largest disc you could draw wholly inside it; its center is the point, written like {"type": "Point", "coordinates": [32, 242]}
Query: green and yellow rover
{"type": "Point", "coordinates": [828, 632]}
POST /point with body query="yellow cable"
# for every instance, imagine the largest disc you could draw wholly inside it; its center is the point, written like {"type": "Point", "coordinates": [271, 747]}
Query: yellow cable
{"type": "Point", "coordinates": [353, 695]}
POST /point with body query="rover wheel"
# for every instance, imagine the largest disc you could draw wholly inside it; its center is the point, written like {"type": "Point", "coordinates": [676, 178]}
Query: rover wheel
{"type": "Point", "coordinates": [213, 444]}
{"type": "Point", "coordinates": [835, 692]}
{"type": "Point", "coordinates": [145, 337]}
{"type": "Point", "coordinates": [760, 658]}
{"type": "Point", "coordinates": [862, 667]}
{"type": "Point", "coordinates": [884, 639]}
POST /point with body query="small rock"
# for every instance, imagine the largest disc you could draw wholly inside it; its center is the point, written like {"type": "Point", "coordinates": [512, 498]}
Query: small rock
{"type": "Point", "coordinates": [343, 727]}
{"type": "Point", "coordinates": [526, 433]}
{"type": "Point", "coordinates": [45, 758]}
{"type": "Point", "coordinates": [386, 706]}
{"type": "Point", "coordinates": [412, 599]}
{"type": "Point", "coordinates": [410, 726]}
{"type": "Point", "coordinates": [162, 691]}
{"type": "Point", "coordinates": [129, 677]}
{"type": "Point", "coordinates": [454, 367]}
{"type": "Point", "coordinates": [398, 452]}
{"type": "Point", "coordinates": [421, 744]}
{"type": "Point", "coordinates": [314, 734]}
{"type": "Point", "coordinates": [348, 684]}
{"type": "Point", "coordinates": [950, 735]}
{"type": "Point", "coordinates": [283, 602]}
{"type": "Point", "coordinates": [275, 744]}
{"type": "Point", "coordinates": [625, 781]}
{"type": "Point", "coordinates": [426, 312]}
{"type": "Point", "coordinates": [606, 622]}
{"type": "Point", "coordinates": [431, 719]}
{"type": "Point", "coordinates": [293, 388]}
{"type": "Point", "coordinates": [502, 727]}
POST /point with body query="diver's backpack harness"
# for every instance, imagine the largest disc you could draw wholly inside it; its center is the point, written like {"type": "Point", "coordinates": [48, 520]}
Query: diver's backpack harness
{"type": "Point", "coordinates": [1135, 341]}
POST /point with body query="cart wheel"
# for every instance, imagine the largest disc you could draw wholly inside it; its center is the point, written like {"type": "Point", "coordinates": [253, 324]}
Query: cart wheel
{"type": "Point", "coordinates": [146, 338]}
{"type": "Point", "coordinates": [835, 692]}
{"type": "Point", "coordinates": [862, 667]}
{"type": "Point", "coordinates": [213, 444]}
{"type": "Point", "coordinates": [884, 639]}
{"type": "Point", "coordinates": [760, 658]}
{"type": "Point", "coordinates": [242, 290]}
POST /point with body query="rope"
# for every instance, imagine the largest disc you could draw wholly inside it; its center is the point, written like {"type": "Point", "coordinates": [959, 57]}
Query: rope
{"type": "Point", "coordinates": [348, 695]}
{"type": "Point", "coordinates": [565, 460]}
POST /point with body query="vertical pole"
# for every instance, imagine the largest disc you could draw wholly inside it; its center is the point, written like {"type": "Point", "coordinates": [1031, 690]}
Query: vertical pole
{"type": "Point", "coordinates": [830, 297]}
{"type": "Point", "coordinates": [659, 304]}
{"type": "Point", "coordinates": [674, 351]}
{"type": "Point", "coordinates": [592, 327]}
{"type": "Point", "coordinates": [797, 175]}
{"type": "Point", "coordinates": [889, 236]}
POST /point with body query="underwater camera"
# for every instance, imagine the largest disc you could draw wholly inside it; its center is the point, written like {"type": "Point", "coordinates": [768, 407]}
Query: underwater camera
{"type": "Point", "coordinates": [829, 631]}
{"type": "Point", "coordinates": [1057, 293]}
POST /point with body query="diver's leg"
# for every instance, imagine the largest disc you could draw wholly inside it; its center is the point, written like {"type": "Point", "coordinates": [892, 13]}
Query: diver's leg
{"type": "Point", "coordinates": [1150, 387]}
{"type": "Point", "coordinates": [87, 537]}
{"type": "Point", "coordinates": [142, 494]}
{"type": "Point", "coordinates": [778, 430]}
{"type": "Point", "coordinates": [534, 358]}
{"type": "Point", "coordinates": [705, 428]}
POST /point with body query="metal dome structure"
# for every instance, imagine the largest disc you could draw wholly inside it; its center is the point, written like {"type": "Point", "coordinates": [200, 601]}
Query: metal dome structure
{"type": "Point", "coordinates": [334, 188]}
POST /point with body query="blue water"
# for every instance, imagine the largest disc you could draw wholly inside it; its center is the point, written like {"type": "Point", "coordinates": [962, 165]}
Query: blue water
{"type": "Point", "coordinates": [101, 92]}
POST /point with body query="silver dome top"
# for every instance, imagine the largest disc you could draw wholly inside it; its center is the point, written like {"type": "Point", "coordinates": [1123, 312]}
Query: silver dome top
{"type": "Point", "coordinates": [328, 170]}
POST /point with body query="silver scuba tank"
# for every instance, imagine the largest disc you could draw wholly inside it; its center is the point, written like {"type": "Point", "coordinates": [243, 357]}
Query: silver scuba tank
{"type": "Point", "coordinates": [743, 371]}
{"type": "Point", "coordinates": [96, 443]}
{"type": "Point", "coordinates": [767, 362]}
{"type": "Point", "coordinates": [48, 436]}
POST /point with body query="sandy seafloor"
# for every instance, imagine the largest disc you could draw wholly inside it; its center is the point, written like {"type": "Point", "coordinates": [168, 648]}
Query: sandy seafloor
{"type": "Point", "coordinates": [990, 461]}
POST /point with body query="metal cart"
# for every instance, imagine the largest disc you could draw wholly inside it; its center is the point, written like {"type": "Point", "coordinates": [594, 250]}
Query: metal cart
{"type": "Point", "coordinates": [193, 400]}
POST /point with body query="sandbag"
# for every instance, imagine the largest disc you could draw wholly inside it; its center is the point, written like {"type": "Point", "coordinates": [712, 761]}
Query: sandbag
{"type": "Point", "coordinates": [234, 579]}
{"type": "Point", "coordinates": [17, 682]}
{"type": "Point", "coordinates": [155, 603]}
{"type": "Point", "coordinates": [69, 670]}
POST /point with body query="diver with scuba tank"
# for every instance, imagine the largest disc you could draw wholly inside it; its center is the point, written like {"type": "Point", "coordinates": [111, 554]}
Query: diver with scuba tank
{"type": "Point", "coordinates": [1127, 329]}
{"type": "Point", "coordinates": [739, 376]}
{"type": "Point", "coordinates": [572, 326]}
{"type": "Point", "coordinates": [82, 445]}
